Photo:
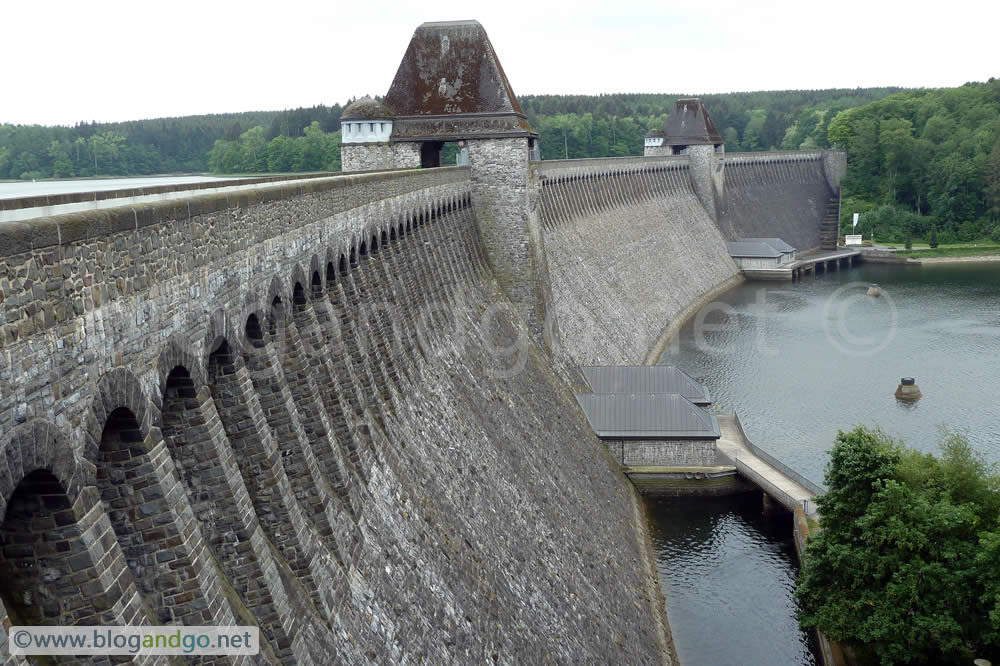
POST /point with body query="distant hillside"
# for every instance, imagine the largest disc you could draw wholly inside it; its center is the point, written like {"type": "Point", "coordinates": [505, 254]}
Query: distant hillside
{"type": "Point", "coordinates": [570, 126]}
{"type": "Point", "coordinates": [924, 160]}
{"type": "Point", "coordinates": [575, 126]}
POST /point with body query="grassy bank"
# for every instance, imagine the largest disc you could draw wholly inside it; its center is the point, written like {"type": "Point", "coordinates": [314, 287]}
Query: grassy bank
{"type": "Point", "coordinates": [929, 253]}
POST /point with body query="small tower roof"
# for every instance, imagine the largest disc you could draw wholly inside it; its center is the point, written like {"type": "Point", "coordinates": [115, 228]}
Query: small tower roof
{"type": "Point", "coordinates": [654, 133]}
{"type": "Point", "coordinates": [366, 108]}
{"type": "Point", "coordinates": [690, 124]}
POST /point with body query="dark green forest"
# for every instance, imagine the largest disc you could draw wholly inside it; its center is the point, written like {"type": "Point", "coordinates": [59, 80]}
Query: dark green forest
{"type": "Point", "coordinates": [570, 126]}
{"type": "Point", "coordinates": [922, 163]}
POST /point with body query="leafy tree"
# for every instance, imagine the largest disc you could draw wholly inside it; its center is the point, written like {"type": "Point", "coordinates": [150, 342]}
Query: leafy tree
{"type": "Point", "coordinates": [991, 185]}
{"type": "Point", "coordinates": [906, 566]}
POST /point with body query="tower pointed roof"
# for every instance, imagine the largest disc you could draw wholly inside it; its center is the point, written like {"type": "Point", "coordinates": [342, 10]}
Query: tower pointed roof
{"type": "Point", "coordinates": [450, 85]}
{"type": "Point", "coordinates": [690, 124]}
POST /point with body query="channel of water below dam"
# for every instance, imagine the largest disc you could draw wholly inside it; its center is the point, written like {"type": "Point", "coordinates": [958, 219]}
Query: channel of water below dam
{"type": "Point", "coordinates": [798, 362]}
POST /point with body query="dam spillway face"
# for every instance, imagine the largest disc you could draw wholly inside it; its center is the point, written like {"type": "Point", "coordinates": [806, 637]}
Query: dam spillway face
{"type": "Point", "coordinates": [310, 408]}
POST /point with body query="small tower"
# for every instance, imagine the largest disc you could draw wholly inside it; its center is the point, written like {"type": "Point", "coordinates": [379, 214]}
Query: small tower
{"type": "Point", "coordinates": [654, 144]}
{"type": "Point", "coordinates": [689, 130]}
{"type": "Point", "coordinates": [365, 128]}
{"type": "Point", "coordinates": [690, 125]}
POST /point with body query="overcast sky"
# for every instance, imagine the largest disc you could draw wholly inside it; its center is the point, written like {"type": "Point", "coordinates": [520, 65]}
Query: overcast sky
{"type": "Point", "coordinates": [108, 60]}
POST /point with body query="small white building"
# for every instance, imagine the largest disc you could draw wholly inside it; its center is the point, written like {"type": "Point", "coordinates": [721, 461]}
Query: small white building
{"type": "Point", "coordinates": [786, 250]}
{"type": "Point", "coordinates": [754, 254]}
{"type": "Point", "coordinates": [366, 121]}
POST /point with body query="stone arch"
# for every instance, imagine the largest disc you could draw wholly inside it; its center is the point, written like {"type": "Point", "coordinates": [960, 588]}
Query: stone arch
{"type": "Point", "coordinates": [275, 290]}
{"type": "Point", "coordinates": [393, 234]}
{"type": "Point", "coordinates": [50, 537]}
{"type": "Point", "coordinates": [316, 266]}
{"type": "Point", "coordinates": [316, 288]}
{"type": "Point", "coordinates": [373, 245]}
{"type": "Point", "coordinates": [298, 277]}
{"type": "Point", "coordinates": [146, 505]}
{"type": "Point", "coordinates": [35, 445]}
{"type": "Point", "coordinates": [299, 297]}
{"type": "Point", "coordinates": [177, 351]}
{"type": "Point", "coordinates": [254, 330]}
{"type": "Point", "coordinates": [118, 388]}
{"type": "Point", "coordinates": [363, 249]}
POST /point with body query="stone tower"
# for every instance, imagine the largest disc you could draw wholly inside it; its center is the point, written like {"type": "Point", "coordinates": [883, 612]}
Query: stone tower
{"type": "Point", "coordinates": [450, 87]}
{"type": "Point", "coordinates": [689, 130]}
{"type": "Point", "coordinates": [365, 131]}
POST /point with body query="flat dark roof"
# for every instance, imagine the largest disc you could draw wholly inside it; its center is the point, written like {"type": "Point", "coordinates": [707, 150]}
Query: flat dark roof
{"type": "Point", "coordinates": [645, 379]}
{"type": "Point", "coordinates": [647, 416]}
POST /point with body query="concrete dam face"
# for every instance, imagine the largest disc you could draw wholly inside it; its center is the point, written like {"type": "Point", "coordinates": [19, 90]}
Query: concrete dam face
{"type": "Point", "coordinates": [309, 408]}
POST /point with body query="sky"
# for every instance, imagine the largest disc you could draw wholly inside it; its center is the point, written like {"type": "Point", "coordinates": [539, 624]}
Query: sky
{"type": "Point", "coordinates": [111, 60]}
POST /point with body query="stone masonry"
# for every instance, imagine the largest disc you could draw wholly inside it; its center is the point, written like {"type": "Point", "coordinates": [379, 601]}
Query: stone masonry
{"type": "Point", "coordinates": [309, 407]}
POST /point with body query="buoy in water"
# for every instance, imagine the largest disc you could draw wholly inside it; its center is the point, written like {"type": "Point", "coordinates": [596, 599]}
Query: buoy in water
{"type": "Point", "coordinates": [908, 390]}
{"type": "Point", "coordinates": [874, 290]}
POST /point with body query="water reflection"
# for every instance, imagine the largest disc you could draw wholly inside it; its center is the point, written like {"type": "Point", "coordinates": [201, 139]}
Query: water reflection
{"type": "Point", "coordinates": [728, 570]}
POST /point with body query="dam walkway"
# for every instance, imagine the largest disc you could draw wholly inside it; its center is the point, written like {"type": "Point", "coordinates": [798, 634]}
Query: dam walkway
{"type": "Point", "coordinates": [767, 472]}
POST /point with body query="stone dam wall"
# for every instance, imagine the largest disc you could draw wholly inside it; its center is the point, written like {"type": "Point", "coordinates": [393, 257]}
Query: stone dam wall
{"type": "Point", "coordinates": [310, 407]}
{"type": "Point", "coordinates": [630, 247]}
{"type": "Point", "coordinates": [783, 195]}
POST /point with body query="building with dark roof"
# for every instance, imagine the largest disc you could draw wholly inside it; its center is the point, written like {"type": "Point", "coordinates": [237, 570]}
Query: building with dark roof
{"type": "Point", "coordinates": [645, 379]}
{"type": "Point", "coordinates": [652, 429]}
{"type": "Point", "coordinates": [761, 252]}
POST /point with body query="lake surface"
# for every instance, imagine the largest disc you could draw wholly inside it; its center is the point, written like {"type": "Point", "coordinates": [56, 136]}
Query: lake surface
{"type": "Point", "coordinates": [798, 361]}
{"type": "Point", "coordinates": [31, 189]}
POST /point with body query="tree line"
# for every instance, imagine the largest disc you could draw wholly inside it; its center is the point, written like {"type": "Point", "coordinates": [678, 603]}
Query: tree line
{"type": "Point", "coordinates": [924, 164]}
{"type": "Point", "coordinates": [921, 163]}
{"type": "Point", "coordinates": [143, 147]}
{"type": "Point", "coordinates": [569, 126]}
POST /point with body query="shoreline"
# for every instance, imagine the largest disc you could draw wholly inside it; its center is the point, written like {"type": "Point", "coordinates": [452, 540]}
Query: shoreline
{"type": "Point", "coordinates": [959, 260]}
{"type": "Point", "coordinates": [670, 331]}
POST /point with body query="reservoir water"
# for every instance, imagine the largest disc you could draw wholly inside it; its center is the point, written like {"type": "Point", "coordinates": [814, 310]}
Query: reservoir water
{"type": "Point", "coordinates": [798, 361]}
{"type": "Point", "coordinates": [22, 188]}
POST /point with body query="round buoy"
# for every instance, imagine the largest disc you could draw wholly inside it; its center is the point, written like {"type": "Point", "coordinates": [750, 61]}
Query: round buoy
{"type": "Point", "coordinates": [874, 290]}
{"type": "Point", "coordinates": [908, 389]}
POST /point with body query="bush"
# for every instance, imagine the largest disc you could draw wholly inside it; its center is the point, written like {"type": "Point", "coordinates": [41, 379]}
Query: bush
{"type": "Point", "coordinates": [932, 239]}
{"type": "Point", "coordinates": [905, 567]}
{"type": "Point", "coordinates": [995, 234]}
{"type": "Point", "coordinates": [969, 231]}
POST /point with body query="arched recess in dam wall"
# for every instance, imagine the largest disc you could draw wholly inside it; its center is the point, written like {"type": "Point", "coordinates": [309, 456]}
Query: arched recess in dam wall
{"type": "Point", "coordinates": [630, 247]}
{"type": "Point", "coordinates": [307, 407]}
